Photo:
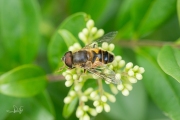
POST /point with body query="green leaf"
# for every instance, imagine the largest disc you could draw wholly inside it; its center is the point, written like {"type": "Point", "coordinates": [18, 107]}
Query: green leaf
{"type": "Point", "coordinates": [90, 7]}
{"type": "Point", "coordinates": [137, 18]}
{"type": "Point", "coordinates": [178, 10]}
{"type": "Point", "coordinates": [158, 12]}
{"type": "Point", "coordinates": [6, 103]}
{"type": "Point", "coordinates": [69, 108]}
{"type": "Point", "coordinates": [44, 100]}
{"type": "Point", "coordinates": [19, 32]}
{"type": "Point", "coordinates": [131, 107]}
{"type": "Point", "coordinates": [36, 108]}
{"type": "Point", "coordinates": [65, 36]}
{"type": "Point", "coordinates": [169, 61]}
{"type": "Point", "coordinates": [68, 38]}
{"type": "Point", "coordinates": [162, 88]}
{"type": "Point", "coordinates": [23, 81]}
{"type": "Point", "coordinates": [58, 91]}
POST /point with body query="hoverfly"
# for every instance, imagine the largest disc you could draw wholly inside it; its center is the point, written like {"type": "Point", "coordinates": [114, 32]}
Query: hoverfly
{"type": "Point", "coordinates": [93, 59]}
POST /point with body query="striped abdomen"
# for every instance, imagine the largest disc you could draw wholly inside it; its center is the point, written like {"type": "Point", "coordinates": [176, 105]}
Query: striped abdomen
{"type": "Point", "coordinates": [102, 56]}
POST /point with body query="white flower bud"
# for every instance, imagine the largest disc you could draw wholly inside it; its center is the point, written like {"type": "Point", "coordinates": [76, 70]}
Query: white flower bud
{"type": "Point", "coordinates": [67, 100]}
{"type": "Point", "coordinates": [111, 47]}
{"type": "Point", "coordinates": [85, 108]}
{"type": "Point", "coordinates": [90, 24]}
{"type": "Point", "coordinates": [141, 70]}
{"type": "Point", "coordinates": [75, 76]}
{"type": "Point", "coordinates": [80, 79]}
{"type": "Point", "coordinates": [111, 67]}
{"type": "Point", "coordinates": [95, 76]}
{"type": "Point", "coordinates": [79, 112]}
{"type": "Point", "coordinates": [113, 89]}
{"type": "Point", "coordinates": [130, 72]}
{"type": "Point", "coordinates": [135, 68]}
{"type": "Point", "coordinates": [82, 37]}
{"type": "Point", "coordinates": [85, 31]}
{"type": "Point", "coordinates": [77, 46]}
{"type": "Point", "coordinates": [92, 112]}
{"type": "Point", "coordinates": [125, 92]}
{"type": "Point", "coordinates": [84, 98]}
{"type": "Point", "coordinates": [104, 98]}
{"type": "Point", "coordinates": [118, 58]}
{"type": "Point", "coordinates": [128, 86]}
{"type": "Point", "coordinates": [88, 91]}
{"type": "Point", "coordinates": [106, 71]}
{"type": "Point", "coordinates": [120, 87]}
{"type": "Point", "coordinates": [68, 83]}
{"type": "Point", "coordinates": [139, 76]}
{"type": "Point", "coordinates": [93, 30]}
{"type": "Point", "coordinates": [99, 33]}
{"type": "Point", "coordinates": [96, 103]}
{"type": "Point", "coordinates": [72, 93]}
{"type": "Point", "coordinates": [69, 71]}
{"type": "Point", "coordinates": [129, 65]}
{"type": "Point", "coordinates": [121, 63]}
{"type": "Point", "coordinates": [71, 48]}
{"type": "Point", "coordinates": [118, 76]}
{"type": "Point", "coordinates": [132, 79]}
{"type": "Point", "coordinates": [93, 94]}
{"type": "Point", "coordinates": [114, 63]}
{"type": "Point", "coordinates": [99, 109]}
{"type": "Point", "coordinates": [106, 107]}
{"type": "Point", "coordinates": [77, 87]}
{"type": "Point", "coordinates": [68, 77]}
{"type": "Point", "coordinates": [64, 74]}
{"type": "Point", "coordinates": [107, 82]}
{"type": "Point", "coordinates": [86, 117]}
{"type": "Point", "coordinates": [110, 97]}
{"type": "Point", "coordinates": [105, 45]}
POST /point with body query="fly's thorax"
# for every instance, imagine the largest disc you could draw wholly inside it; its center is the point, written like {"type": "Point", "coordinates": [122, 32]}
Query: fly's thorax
{"type": "Point", "coordinates": [80, 57]}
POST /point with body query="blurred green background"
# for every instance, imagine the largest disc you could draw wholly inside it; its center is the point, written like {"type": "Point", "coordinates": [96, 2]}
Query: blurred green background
{"type": "Point", "coordinates": [26, 37]}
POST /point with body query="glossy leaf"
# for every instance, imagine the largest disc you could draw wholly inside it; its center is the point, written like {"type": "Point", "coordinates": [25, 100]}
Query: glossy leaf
{"type": "Point", "coordinates": [132, 107]}
{"type": "Point", "coordinates": [162, 88]}
{"type": "Point", "coordinates": [58, 91]}
{"type": "Point", "coordinates": [169, 61]}
{"type": "Point", "coordinates": [23, 81]}
{"type": "Point", "coordinates": [6, 103]}
{"type": "Point", "coordinates": [19, 32]}
{"type": "Point", "coordinates": [158, 12]}
{"type": "Point", "coordinates": [65, 36]}
{"type": "Point", "coordinates": [178, 10]}
{"type": "Point", "coordinates": [90, 7]}
{"type": "Point", "coordinates": [35, 108]}
{"type": "Point", "coordinates": [69, 108]}
{"type": "Point", "coordinates": [137, 18]}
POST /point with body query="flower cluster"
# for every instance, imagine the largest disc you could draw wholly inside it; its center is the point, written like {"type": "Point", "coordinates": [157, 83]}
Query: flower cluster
{"type": "Point", "coordinates": [76, 78]}
{"type": "Point", "coordinates": [87, 35]}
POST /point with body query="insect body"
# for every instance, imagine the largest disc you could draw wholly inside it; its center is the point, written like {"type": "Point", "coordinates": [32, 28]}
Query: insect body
{"type": "Point", "coordinates": [93, 59]}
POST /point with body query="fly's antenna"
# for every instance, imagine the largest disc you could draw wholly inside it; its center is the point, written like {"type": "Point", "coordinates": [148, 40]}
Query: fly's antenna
{"type": "Point", "coordinates": [61, 68]}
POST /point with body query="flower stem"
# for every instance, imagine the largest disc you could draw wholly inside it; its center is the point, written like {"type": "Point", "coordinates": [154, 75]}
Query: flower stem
{"type": "Point", "coordinates": [100, 87]}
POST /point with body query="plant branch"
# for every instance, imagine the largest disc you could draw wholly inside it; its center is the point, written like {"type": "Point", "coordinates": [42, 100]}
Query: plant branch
{"type": "Point", "coordinates": [145, 43]}
{"type": "Point", "coordinates": [54, 78]}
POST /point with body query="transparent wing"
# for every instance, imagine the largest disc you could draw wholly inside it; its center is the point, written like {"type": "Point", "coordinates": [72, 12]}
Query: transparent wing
{"type": "Point", "coordinates": [106, 74]}
{"type": "Point", "coordinates": [105, 38]}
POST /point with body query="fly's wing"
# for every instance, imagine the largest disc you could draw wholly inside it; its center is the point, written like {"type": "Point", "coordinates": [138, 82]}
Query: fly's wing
{"type": "Point", "coordinates": [106, 74]}
{"type": "Point", "coordinates": [105, 38]}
